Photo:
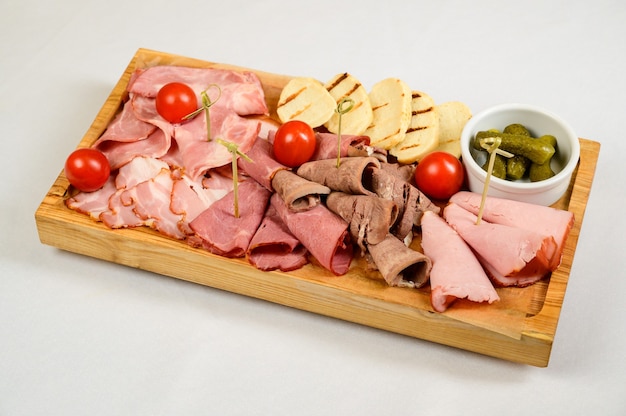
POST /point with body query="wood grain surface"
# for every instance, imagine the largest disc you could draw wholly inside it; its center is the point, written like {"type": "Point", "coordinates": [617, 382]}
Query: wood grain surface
{"type": "Point", "coordinates": [520, 328]}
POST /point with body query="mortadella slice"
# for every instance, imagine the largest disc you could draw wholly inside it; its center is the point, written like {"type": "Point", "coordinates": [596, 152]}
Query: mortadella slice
{"type": "Point", "coordinates": [400, 265]}
{"type": "Point", "coordinates": [539, 218]}
{"type": "Point", "coordinates": [456, 273]}
{"type": "Point", "coordinates": [350, 177]}
{"type": "Point", "coordinates": [322, 232]}
{"type": "Point", "coordinates": [508, 249]}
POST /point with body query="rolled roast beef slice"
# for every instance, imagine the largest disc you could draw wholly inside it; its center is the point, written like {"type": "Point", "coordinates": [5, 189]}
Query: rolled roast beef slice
{"type": "Point", "coordinates": [322, 232]}
{"type": "Point", "coordinates": [456, 273]}
{"type": "Point", "coordinates": [273, 246]}
{"type": "Point", "coordinates": [541, 219]}
{"type": "Point", "coordinates": [399, 264]}
{"type": "Point", "coordinates": [370, 217]}
{"type": "Point", "coordinates": [299, 194]}
{"type": "Point", "coordinates": [352, 176]}
{"type": "Point", "coordinates": [262, 166]}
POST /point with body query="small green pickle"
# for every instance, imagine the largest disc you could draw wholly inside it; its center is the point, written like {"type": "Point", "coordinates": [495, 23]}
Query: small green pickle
{"type": "Point", "coordinates": [516, 128]}
{"type": "Point", "coordinates": [516, 167]}
{"type": "Point", "coordinates": [499, 167]}
{"type": "Point", "coordinates": [537, 150]}
{"type": "Point", "coordinates": [539, 172]}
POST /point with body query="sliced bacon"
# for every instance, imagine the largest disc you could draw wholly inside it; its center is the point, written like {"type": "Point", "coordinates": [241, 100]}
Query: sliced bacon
{"type": "Point", "coordinates": [400, 265]}
{"type": "Point", "coordinates": [274, 247]}
{"type": "Point", "coordinates": [456, 273]}
{"type": "Point", "coordinates": [322, 232]}
{"type": "Point", "coordinates": [369, 217]}
{"type": "Point", "coordinates": [544, 220]}
{"type": "Point", "coordinates": [507, 249]}
{"type": "Point", "coordinates": [226, 235]}
{"type": "Point", "coordinates": [352, 176]}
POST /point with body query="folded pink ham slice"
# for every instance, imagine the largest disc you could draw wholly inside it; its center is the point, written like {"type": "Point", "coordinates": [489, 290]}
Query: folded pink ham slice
{"type": "Point", "coordinates": [327, 144]}
{"type": "Point", "coordinates": [456, 273]}
{"type": "Point", "coordinates": [544, 220]}
{"type": "Point", "coordinates": [322, 232]}
{"type": "Point", "coordinates": [508, 249]}
{"type": "Point", "coordinates": [224, 234]}
{"type": "Point", "coordinates": [274, 247]}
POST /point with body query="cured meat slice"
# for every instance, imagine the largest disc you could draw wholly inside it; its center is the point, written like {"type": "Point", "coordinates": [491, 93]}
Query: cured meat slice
{"type": "Point", "coordinates": [530, 274]}
{"type": "Point", "coordinates": [322, 232]}
{"type": "Point", "coordinates": [538, 218]}
{"type": "Point", "coordinates": [224, 234]}
{"type": "Point", "coordinates": [120, 153]}
{"type": "Point", "coordinates": [298, 193]}
{"type": "Point", "coordinates": [400, 265]}
{"type": "Point", "coordinates": [351, 177]}
{"type": "Point", "coordinates": [262, 166]}
{"type": "Point", "coordinates": [274, 247]}
{"type": "Point", "coordinates": [369, 217]}
{"type": "Point", "coordinates": [456, 273]}
{"type": "Point", "coordinates": [126, 127]}
{"type": "Point", "coordinates": [507, 249]}
{"type": "Point", "coordinates": [93, 203]}
{"type": "Point", "coordinates": [327, 145]}
{"type": "Point", "coordinates": [240, 91]}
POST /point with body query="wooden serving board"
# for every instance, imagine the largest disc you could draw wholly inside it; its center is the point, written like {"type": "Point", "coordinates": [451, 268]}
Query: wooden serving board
{"type": "Point", "coordinates": [520, 328]}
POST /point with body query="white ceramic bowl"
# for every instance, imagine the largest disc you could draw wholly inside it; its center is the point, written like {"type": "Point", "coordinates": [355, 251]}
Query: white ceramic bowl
{"type": "Point", "coordinates": [539, 122]}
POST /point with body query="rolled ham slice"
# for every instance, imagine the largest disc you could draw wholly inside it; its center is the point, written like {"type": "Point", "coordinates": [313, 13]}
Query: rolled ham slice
{"type": "Point", "coordinates": [322, 232]}
{"type": "Point", "coordinates": [538, 218]}
{"type": "Point", "coordinates": [274, 247]}
{"type": "Point", "coordinates": [400, 265]}
{"type": "Point", "coordinates": [456, 273]}
{"type": "Point", "coordinates": [508, 249]}
{"type": "Point", "coordinates": [369, 217]}
{"type": "Point", "coordinates": [224, 234]}
{"type": "Point", "coordinates": [352, 176]}
{"type": "Point", "coordinates": [327, 145]}
{"type": "Point", "coordinates": [262, 166]}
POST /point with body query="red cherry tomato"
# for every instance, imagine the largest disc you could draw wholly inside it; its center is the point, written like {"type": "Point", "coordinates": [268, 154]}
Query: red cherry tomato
{"type": "Point", "coordinates": [87, 169]}
{"type": "Point", "coordinates": [176, 100]}
{"type": "Point", "coordinates": [439, 175]}
{"type": "Point", "coordinates": [294, 143]}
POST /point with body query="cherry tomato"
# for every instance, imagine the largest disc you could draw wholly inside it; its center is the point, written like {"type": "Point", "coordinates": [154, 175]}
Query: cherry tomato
{"type": "Point", "coordinates": [176, 100]}
{"type": "Point", "coordinates": [294, 143]}
{"type": "Point", "coordinates": [87, 169]}
{"type": "Point", "coordinates": [439, 175]}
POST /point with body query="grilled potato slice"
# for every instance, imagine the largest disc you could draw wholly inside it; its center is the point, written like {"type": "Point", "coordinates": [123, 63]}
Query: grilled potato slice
{"type": "Point", "coordinates": [391, 106]}
{"type": "Point", "coordinates": [422, 136]}
{"type": "Point", "coordinates": [453, 116]}
{"type": "Point", "coordinates": [360, 116]}
{"type": "Point", "coordinates": [307, 100]}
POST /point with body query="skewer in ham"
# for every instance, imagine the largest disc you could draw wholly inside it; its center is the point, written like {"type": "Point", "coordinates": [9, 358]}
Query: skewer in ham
{"type": "Point", "coordinates": [545, 220]}
{"type": "Point", "coordinates": [400, 265]}
{"type": "Point", "coordinates": [456, 273]}
{"type": "Point", "coordinates": [351, 177]}
{"type": "Point", "coordinates": [322, 232]}
{"type": "Point", "coordinates": [224, 234]}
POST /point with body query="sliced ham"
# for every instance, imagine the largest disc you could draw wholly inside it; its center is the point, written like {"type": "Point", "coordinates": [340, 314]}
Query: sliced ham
{"type": "Point", "coordinates": [400, 265]}
{"type": "Point", "coordinates": [93, 203]}
{"type": "Point", "coordinates": [369, 217]}
{"type": "Point", "coordinates": [224, 234]}
{"type": "Point", "coordinates": [538, 218]}
{"type": "Point", "coordinates": [327, 145]}
{"type": "Point", "coordinates": [126, 127]}
{"type": "Point", "coordinates": [352, 176]}
{"type": "Point", "coordinates": [507, 249]}
{"type": "Point", "coordinates": [274, 247]}
{"type": "Point", "coordinates": [322, 232]}
{"type": "Point", "coordinates": [456, 273]}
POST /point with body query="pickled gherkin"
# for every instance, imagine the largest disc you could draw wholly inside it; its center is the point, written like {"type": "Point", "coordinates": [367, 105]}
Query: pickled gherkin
{"type": "Point", "coordinates": [516, 167]}
{"type": "Point", "coordinates": [516, 129]}
{"type": "Point", "coordinates": [538, 150]}
{"type": "Point", "coordinates": [538, 172]}
{"type": "Point", "coordinates": [499, 167]}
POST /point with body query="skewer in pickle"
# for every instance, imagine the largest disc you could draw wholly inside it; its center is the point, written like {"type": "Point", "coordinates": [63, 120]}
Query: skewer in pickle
{"type": "Point", "coordinates": [499, 166]}
{"type": "Point", "coordinates": [537, 150]}
{"type": "Point", "coordinates": [517, 166]}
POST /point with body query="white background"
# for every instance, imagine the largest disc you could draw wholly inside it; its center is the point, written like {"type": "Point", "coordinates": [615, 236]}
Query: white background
{"type": "Point", "coordinates": [80, 336]}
